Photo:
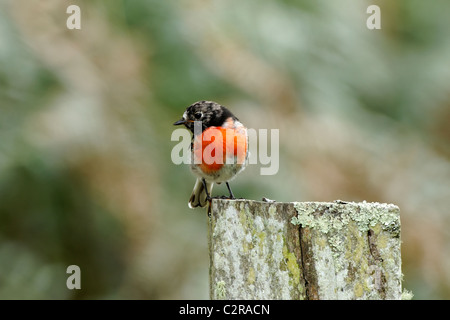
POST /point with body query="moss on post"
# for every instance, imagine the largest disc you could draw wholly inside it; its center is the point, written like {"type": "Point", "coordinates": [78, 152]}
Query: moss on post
{"type": "Point", "coordinates": [304, 250]}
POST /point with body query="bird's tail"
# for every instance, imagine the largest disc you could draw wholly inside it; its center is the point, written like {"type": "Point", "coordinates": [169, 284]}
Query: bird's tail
{"type": "Point", "coordinates": [198, 197]}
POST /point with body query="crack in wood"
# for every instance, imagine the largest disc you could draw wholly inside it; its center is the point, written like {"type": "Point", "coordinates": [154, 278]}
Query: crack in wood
{"type": "Point", "coordinates": [376, 262]}
{"type": "Point", "coordinates": [307, 261]}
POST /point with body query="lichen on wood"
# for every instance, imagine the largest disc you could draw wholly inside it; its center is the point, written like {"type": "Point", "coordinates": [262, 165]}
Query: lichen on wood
{"type": "Point", "coordinates": [354, 249]}
{"type": "Point", "coordinates": [304, 250]}
{"type": "Point", "coordinates": [252, 251]}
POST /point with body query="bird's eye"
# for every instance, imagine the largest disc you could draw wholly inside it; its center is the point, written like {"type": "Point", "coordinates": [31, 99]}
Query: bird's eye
{"type": "Point", "coordinates": [198, 115]}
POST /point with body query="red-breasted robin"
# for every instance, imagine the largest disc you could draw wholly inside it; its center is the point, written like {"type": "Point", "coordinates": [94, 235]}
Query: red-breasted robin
{"type": "Point", "coordinates": [219, 148]}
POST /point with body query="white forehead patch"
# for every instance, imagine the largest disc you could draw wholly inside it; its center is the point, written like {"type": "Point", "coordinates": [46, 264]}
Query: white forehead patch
{"type": "Point", "coordinates": [185, 115]}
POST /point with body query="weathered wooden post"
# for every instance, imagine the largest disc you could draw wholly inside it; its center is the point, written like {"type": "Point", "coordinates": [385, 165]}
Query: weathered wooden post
{"type": "Point", "coordinates": [304, 250]}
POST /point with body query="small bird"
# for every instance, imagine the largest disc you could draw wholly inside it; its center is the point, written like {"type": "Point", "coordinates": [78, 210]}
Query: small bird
{"type": "Point", "coordinates": [219, 148]}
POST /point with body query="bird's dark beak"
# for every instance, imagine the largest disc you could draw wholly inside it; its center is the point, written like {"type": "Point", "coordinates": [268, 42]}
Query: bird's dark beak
{"type": "Point", "coordinates": [182, 121]}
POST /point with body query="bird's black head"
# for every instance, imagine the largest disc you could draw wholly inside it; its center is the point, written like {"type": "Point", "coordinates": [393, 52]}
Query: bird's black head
{"type": "Point", "coordinates": [210, 113]}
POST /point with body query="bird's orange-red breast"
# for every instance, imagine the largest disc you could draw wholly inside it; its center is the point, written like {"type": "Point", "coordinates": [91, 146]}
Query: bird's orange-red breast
{"type": "Point", "coordinates": [219, 147]}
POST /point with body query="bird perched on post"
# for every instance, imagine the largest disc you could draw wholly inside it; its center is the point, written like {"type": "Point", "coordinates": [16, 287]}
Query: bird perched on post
{"type": "Point", "coordinates": [219, 148]}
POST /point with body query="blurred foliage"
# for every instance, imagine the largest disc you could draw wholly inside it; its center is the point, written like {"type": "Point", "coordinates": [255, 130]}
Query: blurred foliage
{"type": "Point", "coordinates": [86, 118]}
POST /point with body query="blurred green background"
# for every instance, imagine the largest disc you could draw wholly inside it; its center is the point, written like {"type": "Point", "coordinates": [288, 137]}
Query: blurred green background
{"type": "Point", "coordinates": [86, 119]}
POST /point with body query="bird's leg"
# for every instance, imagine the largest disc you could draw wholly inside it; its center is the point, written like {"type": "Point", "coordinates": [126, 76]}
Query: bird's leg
{"type": "Point", "coordinates": [231, 192]}
{"type": "Point", "coordinates": [208, 197]}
